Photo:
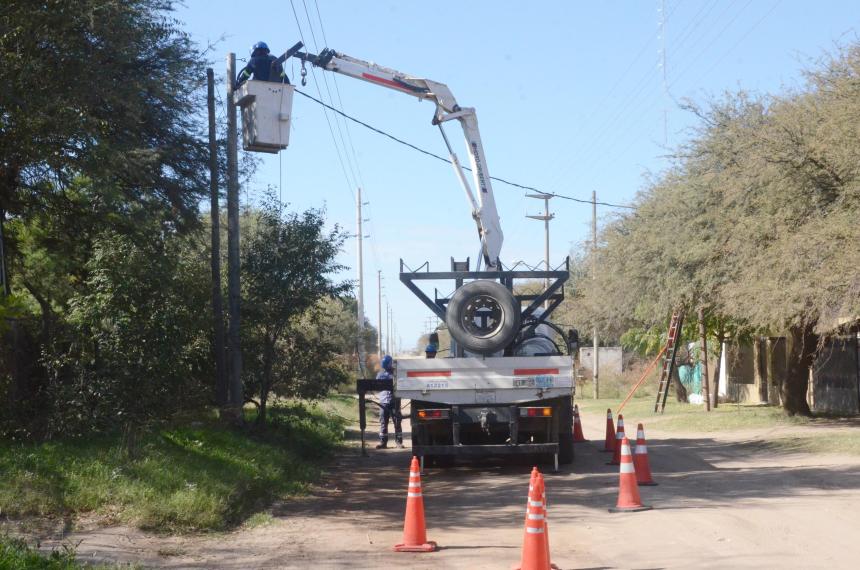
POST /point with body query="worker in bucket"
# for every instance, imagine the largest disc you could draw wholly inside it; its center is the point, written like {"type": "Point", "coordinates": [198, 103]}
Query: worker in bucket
{"type": "Point", "coordinates": [262, 67]}
{"type": "Point", "coordinates": [390, 407]}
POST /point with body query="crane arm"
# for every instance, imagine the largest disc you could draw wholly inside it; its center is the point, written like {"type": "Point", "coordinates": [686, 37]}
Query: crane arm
{"type": "Point", "coordinates": [483, 204]}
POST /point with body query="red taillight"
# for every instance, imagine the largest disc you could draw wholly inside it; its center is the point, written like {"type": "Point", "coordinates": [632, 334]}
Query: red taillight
{"type": "Point", "coordinates": [535, 412]}
{"type": "Point", "coordinates": [433, 414]}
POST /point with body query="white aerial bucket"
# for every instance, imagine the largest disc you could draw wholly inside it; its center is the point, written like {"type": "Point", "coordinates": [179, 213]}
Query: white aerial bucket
{"type": "Point", "coordinates": [266, 109]}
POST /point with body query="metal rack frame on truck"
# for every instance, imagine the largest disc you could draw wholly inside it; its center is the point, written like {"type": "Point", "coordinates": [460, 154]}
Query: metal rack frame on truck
{"type": "Point", "coordinates": [507, 402]}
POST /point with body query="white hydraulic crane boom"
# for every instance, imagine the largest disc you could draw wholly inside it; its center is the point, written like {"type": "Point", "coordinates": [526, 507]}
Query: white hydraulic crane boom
{"type": "Point", "coordinates": [484, 204]}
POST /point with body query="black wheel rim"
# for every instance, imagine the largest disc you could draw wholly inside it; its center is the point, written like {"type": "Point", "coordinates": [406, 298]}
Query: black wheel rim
{"type": "Point", "coordinates": [482, 316]}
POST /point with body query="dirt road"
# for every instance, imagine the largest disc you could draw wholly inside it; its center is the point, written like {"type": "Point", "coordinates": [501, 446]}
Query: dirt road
{"type": "Point", "coordinates": [727, 501]}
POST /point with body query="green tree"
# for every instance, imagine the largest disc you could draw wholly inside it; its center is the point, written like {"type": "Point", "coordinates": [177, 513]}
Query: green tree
{"type": "Point", "coordinates": [753, 222]}
{"type": "Point", "coordinates": [99, 132]}
{"type": "Point", "coordinates": [138, 349]}
{"type": "Point", "coordinates": [288, 262]}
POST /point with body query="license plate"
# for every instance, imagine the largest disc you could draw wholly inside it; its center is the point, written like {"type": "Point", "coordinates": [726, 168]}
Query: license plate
{"type": "Point", "coordinates": [542, 381]}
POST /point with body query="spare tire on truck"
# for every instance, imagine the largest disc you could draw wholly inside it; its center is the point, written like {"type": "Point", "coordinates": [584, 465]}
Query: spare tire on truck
{"type": "Point", "coordinates": [483, 316]}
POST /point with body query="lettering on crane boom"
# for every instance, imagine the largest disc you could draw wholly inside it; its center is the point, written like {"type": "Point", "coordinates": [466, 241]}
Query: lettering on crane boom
{"type": "Point", "coordinates": [480, 167]}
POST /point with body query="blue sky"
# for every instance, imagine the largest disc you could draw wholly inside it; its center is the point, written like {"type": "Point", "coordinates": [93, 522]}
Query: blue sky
{"type": "Point", "coordinates": [570, 98]}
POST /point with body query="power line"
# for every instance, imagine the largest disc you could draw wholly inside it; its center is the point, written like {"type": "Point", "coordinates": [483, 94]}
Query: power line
{"type": "Point", "coordinates": [443, 159]}
{"type": "Point", "coordinates": [349, 184]}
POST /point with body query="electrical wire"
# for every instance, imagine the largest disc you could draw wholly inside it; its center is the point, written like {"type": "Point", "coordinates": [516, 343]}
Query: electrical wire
{"type": "Point", "coordinates": [349, 184]}
{"type": "Point", "coordinates": [448, 161]}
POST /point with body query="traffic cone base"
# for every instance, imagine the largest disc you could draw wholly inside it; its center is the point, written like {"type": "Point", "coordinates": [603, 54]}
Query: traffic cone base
{"type": "Point", "coordinates": [414, 530]}
{"type": "Point", "coordinates": [428, 546]}
{"type": "Point", "coordinates": [630, 509]}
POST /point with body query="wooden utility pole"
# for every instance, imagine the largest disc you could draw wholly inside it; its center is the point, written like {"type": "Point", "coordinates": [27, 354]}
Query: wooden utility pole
{"type": "Point", "coordinates": [703, 334]}
{"type": "Point", "coordinates": [215, 214]}
{"type": "Point", "coordinates": [237, 399]}
{"type": "Point", "coordinates": [360, 308]}
{"type": "Point", "coordinates": [379, 314]}
{"type": "Point", "coordinates": [595, 359]}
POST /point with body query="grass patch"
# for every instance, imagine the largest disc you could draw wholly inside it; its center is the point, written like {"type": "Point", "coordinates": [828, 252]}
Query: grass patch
{"type": "Point", "coordinates": [195, 477]}
{"type": "Point", "coordinates": [343, 406]}
{"type": "Point", "coordinates": [15, 553]}
{"type": "Point", "coordinates": [259, 519]}
{"type": "Point", "coordinates": [841, 443]}
{"type": "Point", "coordinates": [688, 417]}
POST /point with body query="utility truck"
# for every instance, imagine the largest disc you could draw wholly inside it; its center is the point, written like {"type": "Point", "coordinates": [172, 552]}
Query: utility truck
{"type": "Point", "coordinates": [507, 384]}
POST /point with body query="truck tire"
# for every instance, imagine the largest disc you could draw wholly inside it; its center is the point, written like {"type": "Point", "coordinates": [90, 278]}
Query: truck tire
{"type": "Point", "coordinates": [565, 433]}
{"type": "Point", "coordinates": [483, 316]}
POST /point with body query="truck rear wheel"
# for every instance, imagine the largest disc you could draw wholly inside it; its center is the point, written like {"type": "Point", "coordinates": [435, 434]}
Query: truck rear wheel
{"type": "Point", "coordinates": [565, 432]}
{"type": "Point", "coordinates": [483, 316]}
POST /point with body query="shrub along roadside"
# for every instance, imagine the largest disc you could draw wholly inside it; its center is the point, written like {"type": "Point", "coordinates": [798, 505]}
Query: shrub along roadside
{"type": "Point", "coordinates": [15, 553]}
{"type": "Point", "coordinates": [194, 477]}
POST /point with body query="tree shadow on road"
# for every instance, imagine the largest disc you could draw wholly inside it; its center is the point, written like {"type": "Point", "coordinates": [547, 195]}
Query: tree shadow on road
{"type": "Point", "coordinates": [488, 493]}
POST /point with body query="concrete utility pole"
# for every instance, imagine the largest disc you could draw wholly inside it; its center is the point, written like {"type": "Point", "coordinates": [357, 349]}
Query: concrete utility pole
{"type": "Point", "coordinates": [215, 215]}
{"type": "Point", "coordinates": [237, 399]}
{"type": "Point", "coordinates": [546, 217]}
{"type": "Point", "coordinates": [360, 310]}
{"type": "Point", "coordinates": [595, 359]}
{"type": "Point", "coordinates": [379, 313]}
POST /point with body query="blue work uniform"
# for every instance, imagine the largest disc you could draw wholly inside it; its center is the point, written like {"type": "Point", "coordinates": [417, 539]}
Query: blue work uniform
{"type": "Point", "coordinates": [390, 411]}
{"type": "Point", "coordinates": [264, 67]}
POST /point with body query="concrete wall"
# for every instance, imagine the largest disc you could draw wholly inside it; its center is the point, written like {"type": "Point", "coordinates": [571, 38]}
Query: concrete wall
{"type": "Point", "coordinates": [752, 373]}
{"type": "Point", "coordinates": [610, 359]}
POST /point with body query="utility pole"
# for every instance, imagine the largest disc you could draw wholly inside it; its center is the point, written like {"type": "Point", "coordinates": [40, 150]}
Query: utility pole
{"type": "Point", "coordinates": [546, 217]}
{"type": "Point", "coordinates": [379, 313]}
{"type": "Point", "coordinates": [387, 328]}
{"type": "Point", "coordinates": [233, 292]}
{"type": "Point", "coordinates": [215, 216]}
{"type": "Point", "coordinates": [595, 359]}
{"type": "Point", "coordinates": [359, 236]}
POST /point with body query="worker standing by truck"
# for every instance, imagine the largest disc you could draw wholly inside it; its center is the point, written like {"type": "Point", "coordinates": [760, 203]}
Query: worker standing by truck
{"type": "Point", "coordinates": [390, 407]}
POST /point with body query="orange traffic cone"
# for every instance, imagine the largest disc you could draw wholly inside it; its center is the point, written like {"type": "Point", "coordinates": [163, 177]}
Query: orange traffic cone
{"type": "Point", "coordinates": [545, 523]}
{"type": "Point", "coordinates": [535, 555]}
{"type": "Point", "coordinates": [414, 531]}
{"type": "Point", "coordinates": [628, 490]}
{"type": "Point", "coordinates": [610, 432]}
{"type": "Point", "coordinates": [640, 459]}
{"type": "Point", "coordinates": [619, 435]}
{"type": "Point", "coordinates": [577, 426]}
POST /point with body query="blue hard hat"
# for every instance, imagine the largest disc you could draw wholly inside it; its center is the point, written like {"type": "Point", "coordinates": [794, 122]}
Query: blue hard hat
{"type": "Point", "coordinates": [259, 45]}
{"type": "Point", "coordinates": [430, 348]}
{"type": "Point", "coordinates": [387, 362]}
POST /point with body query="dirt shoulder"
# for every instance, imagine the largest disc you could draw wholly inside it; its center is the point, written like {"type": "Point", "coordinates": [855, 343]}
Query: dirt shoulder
{"type": "Point", "coordinates": [724, 500]}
